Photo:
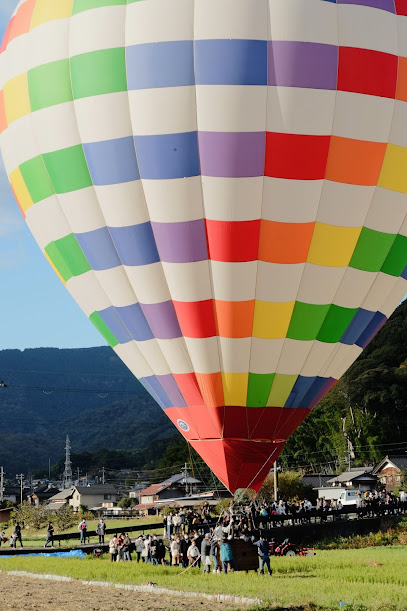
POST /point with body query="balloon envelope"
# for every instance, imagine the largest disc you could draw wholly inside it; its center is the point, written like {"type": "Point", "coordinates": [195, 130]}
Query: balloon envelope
{"type": "Point", "coordinates": [221, 185]}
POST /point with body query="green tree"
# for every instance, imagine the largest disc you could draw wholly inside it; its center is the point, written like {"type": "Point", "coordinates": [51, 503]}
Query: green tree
{"type": "Point", "coordinates": [125, 503]}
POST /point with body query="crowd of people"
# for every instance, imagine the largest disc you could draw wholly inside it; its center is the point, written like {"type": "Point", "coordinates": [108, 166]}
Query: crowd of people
{"type": "Point", "coordinates": [367, 504]}
{"type": "Point", "coordinates": [14, 537]}
{"type": "Point", "coordinates": [210, 551]}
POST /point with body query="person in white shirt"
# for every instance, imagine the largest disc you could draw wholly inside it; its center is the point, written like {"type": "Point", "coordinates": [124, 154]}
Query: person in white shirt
{"type": "Point", "coordinates": [193, 553]}
{"type": "Point", "coordinates": [175, 550]}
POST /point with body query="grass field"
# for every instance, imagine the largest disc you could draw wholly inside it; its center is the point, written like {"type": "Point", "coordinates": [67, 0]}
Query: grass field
{"type": "Point", "coordinates": [372, 578]}
{"type": "Point", "coordinates": [32, 537]}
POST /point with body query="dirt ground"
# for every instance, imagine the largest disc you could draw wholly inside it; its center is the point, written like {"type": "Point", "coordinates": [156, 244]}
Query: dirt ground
{"type": "Point", "coordinates": [27, 594]}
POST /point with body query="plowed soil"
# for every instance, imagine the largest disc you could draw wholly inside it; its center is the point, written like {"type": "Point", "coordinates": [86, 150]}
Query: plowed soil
{"type": "Point", "coordinates": [28, 594]}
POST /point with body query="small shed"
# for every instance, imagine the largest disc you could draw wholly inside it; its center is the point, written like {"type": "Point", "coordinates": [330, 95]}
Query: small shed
{"type": "Point", "coordinates": [5, 515]}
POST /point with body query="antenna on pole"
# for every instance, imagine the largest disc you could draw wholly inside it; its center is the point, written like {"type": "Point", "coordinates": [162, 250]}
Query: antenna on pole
{"type": "Point", "coordinates": [67, 480]}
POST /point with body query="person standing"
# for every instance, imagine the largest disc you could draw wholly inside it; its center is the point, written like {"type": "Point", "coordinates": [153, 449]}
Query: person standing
{"type": "Point", "coordinates": [264, 554]}
{"type": "Point", "coordinates": [50, 535]}
{"type": "Point", "coordinates": [175, 550]}
{"type": "Point", "coordinates": [139, 547]}
{"type": "Point", "coordinates": [206, 553]}
{"type": "Point", "coordinates": [226, 555]}
{"type": "Point", "coordinates": [169, 526]}
{"type": "Point", "coordinates": [17, 533]}
{"type": "Point", "coordinates": [101, 530]}
{"type": "Point", "coordinates": [193, 553]}
{"type": "Point", "coordinates": [126, 548]}
{"type": "Point", "coordinates": [184, 545]}
{"type": "Point", "coordinates": [83, 529]}
{"type": "Point", "coordinates": [113, 549]}
{"type": "Point", "coordinates": [153, 550]}
{"type": "Point", "coordinates": [3, 537]}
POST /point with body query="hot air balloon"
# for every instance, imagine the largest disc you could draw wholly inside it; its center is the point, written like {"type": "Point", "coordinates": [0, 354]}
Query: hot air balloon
{"type": "Point", "coordinates": [222, 187]}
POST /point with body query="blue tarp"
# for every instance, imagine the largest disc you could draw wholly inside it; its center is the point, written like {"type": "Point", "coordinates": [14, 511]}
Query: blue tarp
{"type": "Point", "coordinates": [77, 553]}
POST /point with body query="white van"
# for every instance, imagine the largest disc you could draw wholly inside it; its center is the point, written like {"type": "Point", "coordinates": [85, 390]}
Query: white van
{"type": "Point", "coordinates": [348, 497]}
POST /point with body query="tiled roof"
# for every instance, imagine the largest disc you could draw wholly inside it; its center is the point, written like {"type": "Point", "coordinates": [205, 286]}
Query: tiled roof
{"type": "Point", "coordinates": [62, 496]}
{"type": "Point", "coordinates": [97, 489]}
{"type": "Point", "coordinates": [154, 489]}
{"type": "Point", "coordinates": [348, 476]}
{"type": "Point", "coordinates": [316, 480]}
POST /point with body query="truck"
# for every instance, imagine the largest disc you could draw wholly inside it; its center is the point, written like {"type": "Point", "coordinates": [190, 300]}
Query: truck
{"type": "Point", "coordinates": [347, 496]}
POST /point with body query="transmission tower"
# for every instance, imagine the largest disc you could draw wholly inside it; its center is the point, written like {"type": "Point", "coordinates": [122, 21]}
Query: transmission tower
{"type": "Point", "coordinates": [67, 482]}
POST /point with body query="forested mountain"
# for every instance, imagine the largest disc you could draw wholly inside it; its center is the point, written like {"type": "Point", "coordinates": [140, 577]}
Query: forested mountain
{"type": "Point", "coordinates": [91, 396]}
{"type": "Point", "coordinates": [43, 403]}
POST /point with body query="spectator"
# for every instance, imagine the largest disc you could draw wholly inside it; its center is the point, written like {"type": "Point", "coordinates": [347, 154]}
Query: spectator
{"type": "Point", "coordinates": [13, 539]}
{"type": "Point", "coordinates": [169, 526]}
{"type": "Point", "coordinates": [161, 552]}
{"type": "Point", "coordinates": [146, 551]}
{"type": "Point", "coordinates": [119, 555]}
{"type": "Point", "coordinates": [101, 530]}
{"type": "Point", "coordinates": [184, 545]}
{"type": "Point", "coordinates": [206, 553]}
{"type": "Point", "coordinates": [175, 550]}
{"type": "Point", "coordinates": [17, 533]}
{"type": "Point", "coordinates": [50, 535]}
{"type": "Point", "coordinates": [264, 554]}
{"type": "Point", "coordinates": [139, 547]}
{"type": "Point", "coordinates": [83, 529]}
{"type": "Point", "coordinates": [193, 553]}
{"type": "Point", "coordinates": [126, 545]}
{"type": "Point", "coordinates": [226, 555]}
{"type": "Point", "coordinates": [113, 549]}
{"type": "Point", "coordinates": [153, 550]}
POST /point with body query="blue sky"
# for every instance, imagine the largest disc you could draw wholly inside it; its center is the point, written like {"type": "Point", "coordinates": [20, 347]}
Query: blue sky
{"type": "Point", "coordinates": [36, 310]}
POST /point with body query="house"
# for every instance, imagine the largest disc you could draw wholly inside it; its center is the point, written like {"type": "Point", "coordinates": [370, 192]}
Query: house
{"type": "Point", "coordinates": [41, 494]}
{"type": "Point", "coordinates": [390, 471]}
{"type": "Point", "coordinates": [60, 499]}
{"type": "Point", "coordinates": [134, 493]}
{"type": "Point", "coordinates": [99, 495]}
{"type": "Point", "coordinates": [177, 486]}
{"type": "Point", "coordinates": [13, 494]}
{"type": "Point", "coordinates": [360, 478]}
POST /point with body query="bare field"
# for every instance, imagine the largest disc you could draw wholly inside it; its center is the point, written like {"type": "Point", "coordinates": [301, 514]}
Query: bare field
{"type": "Point", "coordinates": [21, 593]}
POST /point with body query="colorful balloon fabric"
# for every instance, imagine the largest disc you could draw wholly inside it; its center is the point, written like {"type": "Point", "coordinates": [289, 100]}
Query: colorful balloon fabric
{"type": "Point", "coordinates": [222, 187]}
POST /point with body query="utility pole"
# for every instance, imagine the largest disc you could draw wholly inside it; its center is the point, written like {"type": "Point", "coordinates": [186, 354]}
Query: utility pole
{"type": "Point", "coordinates": [103, 475]}
{"type": "Point", "coordinates": [186, 477]}
{"type": "Point", "coordinates": [21, 478]}
{"type": "Point", "coordinates": [49, 468]}
{"type": "Point", "coordinates": [1, 484]}
{"type": "Point", "coordinates": [275, 482]}
{"type": "Point", "coordinates": [67, 480]}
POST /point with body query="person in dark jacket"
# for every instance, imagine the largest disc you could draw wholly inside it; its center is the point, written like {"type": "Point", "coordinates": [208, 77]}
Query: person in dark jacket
{"type": "Point", "coordinates": [206, 553]}
{"type": "Point", "coordinates": [264, 554]}
{"type": "Point", "coordinates": [17, 533]}
{"type": "Point", "coordinates": [185, 543]}
{"type": "Point", "coordinates": [50, 535]}
{"type": "Point", "coordinates": [154, 550]}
